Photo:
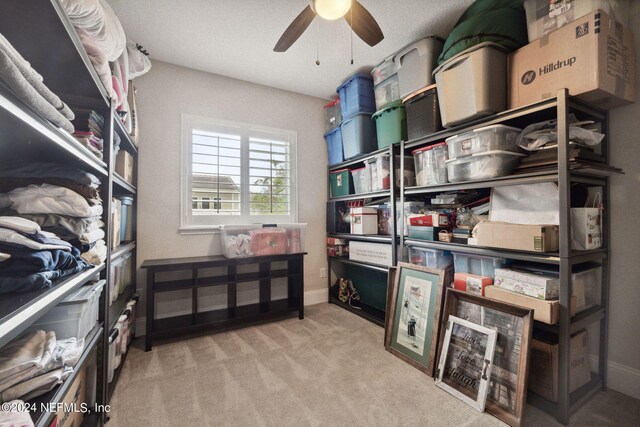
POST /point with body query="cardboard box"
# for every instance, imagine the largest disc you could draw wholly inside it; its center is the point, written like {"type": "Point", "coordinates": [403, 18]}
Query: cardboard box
{"type": "Point", "coordinates": [124, 166]}
{"type": "Point", "coordinates": [364, 221]}
{"type": "Point", "coordinates": [374, 253]}
{"type": "Point", "coordinates": [116, 212]}
{"type": "Point", "coordinates": [471, 283]}
{"type": "Point", "coordinates": [522, 237]}
{"type": "Point", "coordinates": [543, 311]}
{"type": "Point", "coordinates": [534, 285]}
{"type": "Point", "coordinates": [75, 397]}
{"type": "Point", "coordinates": [543, 366]}
{"type": "Point", "coordinates": [593, 57]}
{"type": "Point", "coordinates": [433, 219]}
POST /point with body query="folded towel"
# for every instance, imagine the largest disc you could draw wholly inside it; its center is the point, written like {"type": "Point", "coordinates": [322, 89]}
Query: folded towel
{"type": "Point", "coordinates": [22, 354]}
{"type": "Point", "coordinates": [38, 369]}
{"type": "Point", "coordinates": [48, 171]}
{"type": "Point", "coordinates": [75, 226]}
{"type": "Point", "coordinates": [92, 236]}
{"type": "Point", "coordinates": [97, 254]}
{"type": "Point", "coordinates": [46, 198]}
{"type": "Point", "coordinates": [36, 386]}
{"type": "Point", "coordinates": [20, 224]}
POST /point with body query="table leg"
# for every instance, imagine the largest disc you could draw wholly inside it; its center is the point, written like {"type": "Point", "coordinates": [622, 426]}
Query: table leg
{"type": "Point", "coordinates": [148, 339]}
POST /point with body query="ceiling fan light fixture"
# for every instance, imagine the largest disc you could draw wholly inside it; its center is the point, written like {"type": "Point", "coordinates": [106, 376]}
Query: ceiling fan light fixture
{"type": "Point", "coordinates": [332, 9]}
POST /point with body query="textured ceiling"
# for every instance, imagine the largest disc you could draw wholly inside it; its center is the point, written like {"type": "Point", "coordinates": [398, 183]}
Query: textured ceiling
{"type": "Point", "coordinates": [235, 38]}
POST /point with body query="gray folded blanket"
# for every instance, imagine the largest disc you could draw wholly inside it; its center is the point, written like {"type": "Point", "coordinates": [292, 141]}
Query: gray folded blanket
{"type": "Point", "coordinates": [28, 85]}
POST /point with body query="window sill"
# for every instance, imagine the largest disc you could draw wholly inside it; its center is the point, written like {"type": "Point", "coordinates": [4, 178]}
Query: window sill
{"type": "Point", "coordinates": [199, 229]}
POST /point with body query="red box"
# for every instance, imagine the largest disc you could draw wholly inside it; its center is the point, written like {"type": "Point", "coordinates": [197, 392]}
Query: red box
{"type": "Point", "coordinates": [430, 220]}
{"type": "Point", "coordinates": [268, 241]}
{"type": "Point", "coordinates": [471, 283]}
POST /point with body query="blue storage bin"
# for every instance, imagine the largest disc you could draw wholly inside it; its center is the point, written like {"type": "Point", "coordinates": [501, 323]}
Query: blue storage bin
{"type": "Point", "coordinates": [356, 95]}
{"type": "Point", "coordinates": [358, 135]}
{"type": "Point", "coordinates": [334, 145]}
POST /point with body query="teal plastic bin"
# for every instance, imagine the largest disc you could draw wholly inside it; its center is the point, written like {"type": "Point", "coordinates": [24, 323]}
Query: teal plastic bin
{"type": "Point", "coordinates": [424, 233]}
{"type": "Point", "coordinates": [341, 183]}
{"type": "Point", "coordinates": [391, 124]}
{"type": "Point", "coordinates": [126, 202]}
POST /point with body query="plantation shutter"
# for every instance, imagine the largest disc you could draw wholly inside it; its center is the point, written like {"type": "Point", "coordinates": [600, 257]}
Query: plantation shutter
{"type": "Point", "coordinates": [269, 176]}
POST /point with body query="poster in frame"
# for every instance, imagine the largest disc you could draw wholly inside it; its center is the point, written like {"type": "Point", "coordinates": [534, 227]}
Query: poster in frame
{"type": "Point", "coordinates": [465, 362]}
{"type": "Point", "coordinates": [414, 311]}
{"type": "Point", "coordinates": [507, 392]}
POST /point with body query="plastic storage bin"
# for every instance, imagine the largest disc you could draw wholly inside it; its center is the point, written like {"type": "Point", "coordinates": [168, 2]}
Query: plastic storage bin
{"type": "Point", "coordinates": [423, 112]}
{"type": "Point", "coordinates": [387, 92]}
{"type": "Point", "coordinates": [383, 71]}
{"type": "Point", "coordinates": [113, 342]}
{"type": "Point", "coordinates": [125, 202]}
{"type": "Point", "coordinates": [120, 326]}
{"type": "Point", "coordinates": [296, 234]}
{"type": "Point", "coordinates": [332, 115]}
{"type": "Point", "coordinates": [415, 64]}
{"type": "Point", "coordinates": [408, 174]}
{"type": "Point", "coordinates": [75, 316]}
{"type": "Point", "coordinates": [131, 306]}
{"type": "Point", "coordinates": [472, 84]}
{"type": "Point", "coordinates": [424, 233]}
{"type": "Point", "coordinates": [544, 16]}
{"type": "Point", "coordinates": [356, 95]}
{"type": "Point", "coordinates": [430, 164]}
{"type": "Point", "coordinates": [268, 241]}
{"type": "Point", "coordinates": [235, 240]}
{"type": "Point", "coordinates": [361, 180]}
{"type": "Point", "coordinates": [334, 146]}
{"type": "Point", "coordinates": [479, 265]}
{"type": "Point", "coordinates": [391, 124]}
{"type": "Point", "coordinates": [586, 285]}
{"type": "Point", "coordinates": [431, 258]}
{"type": "Point", "coordinates": [358, 135]}
{"type": "Point", "coordinates": [489, 138]}
{"type": "Point", "coordinates": [341, 184]}
{"type": "Point", "coordinates": [383, 173]}
{"type": "Point", "coordinates": [490, 164]}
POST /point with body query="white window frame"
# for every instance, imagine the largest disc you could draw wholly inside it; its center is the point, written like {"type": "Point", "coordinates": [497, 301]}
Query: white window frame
{"type": "Point", "coordinates": [210, 224]}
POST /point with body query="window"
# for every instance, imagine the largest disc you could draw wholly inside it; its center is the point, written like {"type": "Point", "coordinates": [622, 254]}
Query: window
{"type": "Point", "coordinates": [235, 173]}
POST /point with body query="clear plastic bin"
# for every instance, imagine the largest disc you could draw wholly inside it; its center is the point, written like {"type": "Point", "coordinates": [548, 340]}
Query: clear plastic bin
{"type": "Point", "coordinates": [408, 174]}
{"type": "Point", "coordinates": [372, 173]}
{"type": "Point", "coordinates": [361, 180]}
{"type": "Point", "coordinates": [431, 258]}
{"type": "Point", "coordinates": [268, 241]}
{"type": "Point", "coordinates": [332, 115]}
{"type": "Point", "coordinates": [491, 164]}
{"type": "Point", "coordinates": [75, 316]}
{"type": "Point", "coordinates": [430, 164]}
{"type": "Point", "coordinates": [383, 71]}
{"type": "Point", "coordinates": [479, 265]}
{"type": "Point", "coordinates": [235, 240]}
{"type": "Point", "coordinates": [481, 140]}
{"type": "Point", "coordinates": [387, 91]}
{"type": "Point", "coordinates": [296, 234]}
{"type": "Point", "coordinates": [586, 287]}
{"type": "Point", "coordinates": [383, 175]}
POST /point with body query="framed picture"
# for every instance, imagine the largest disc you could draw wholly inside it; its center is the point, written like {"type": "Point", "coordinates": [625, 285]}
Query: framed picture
{"type": "Point", "coordinates": [514, 325]}
{"type": "Point", "coordinates": [414, 309]}
{"type": "Point", "coordinates": [466, 360]}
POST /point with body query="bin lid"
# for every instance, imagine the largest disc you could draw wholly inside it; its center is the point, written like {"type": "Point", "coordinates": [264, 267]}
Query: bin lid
{"type": "Point", "coordinates": [353, 77]}
{"type": "Point", "coordinates": [428, 147]}
{"type": "Point", "coordinates": [445, 65]}
{"type": "Point", "coordinates": [340, 170]}
{"type": "Point", "coordinates": [419, 93]}
{"type": "Point", "coordinates": [332, 131]}
{"type": "Point", "coordinates": [125, 200]}
{"type": "Point", "coordinates": [84, 293]}
{"type": "Point", "coordinates": [356, 170]}
{"type": "Point", "coordinates": [332, 103]}
{"type": "Point", "coordinates": [388, 107]}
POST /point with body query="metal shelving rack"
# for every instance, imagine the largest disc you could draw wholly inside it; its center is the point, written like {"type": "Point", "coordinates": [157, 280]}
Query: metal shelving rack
{"type": "Point", "coordinates": [44, 35]}
{"type": "Point", "coordinates": [564, 174]}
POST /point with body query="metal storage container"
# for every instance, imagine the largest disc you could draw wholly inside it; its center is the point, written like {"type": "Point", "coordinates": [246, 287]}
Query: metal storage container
{"type": "Point", "coordinates": [423, 112]}
{"type": "Point", "coordinates": [472, 84]}
{"type": "Point", "coordinates": [490, 164]}
{"type": "Point", "coordinates": [488, 138]}
{"type": "Point", "coordinates": [415, 64]}
{"type": "Point", "coordinates": [358, 135]}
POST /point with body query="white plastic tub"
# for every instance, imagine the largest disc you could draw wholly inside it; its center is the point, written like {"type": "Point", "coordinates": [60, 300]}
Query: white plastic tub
{"type": "Point", "coordinates": [431, 258]}
{"type": "Point", "coordinates": [491, 164]}
{"type": "Point", "coordinates": [415, 64]}
{"type": "Point", "coordinates": [387, 91]}
{"type": "Point", "coordinates": [488, 138]}
{"type": "Point", "coordinates": [75, 316]}
{"type": "Point", "coordinates": [361, 180]}
{"type": "Point", "coordinates": [430, 164]}
{"type": "Point", "coordinates": [383, 71]}
{"type": "Point", "coordinates": [296, 234]}
{"type": "Point", "coordinates": [472, 84]}
{"type": "Point", "coordinates": [113, 342]}
{"type": "Point", "coordinates": [235, 240]}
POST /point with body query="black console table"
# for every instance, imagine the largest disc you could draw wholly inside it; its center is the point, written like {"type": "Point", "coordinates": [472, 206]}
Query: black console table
{"type": "Point", "coordinates": [266, 269]}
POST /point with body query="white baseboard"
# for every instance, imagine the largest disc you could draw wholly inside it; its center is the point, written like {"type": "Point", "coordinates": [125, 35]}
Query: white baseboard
{"type": "Point", "coordinates": [317, 296]}
{"type": "Point", "coordinates": [620, 377]}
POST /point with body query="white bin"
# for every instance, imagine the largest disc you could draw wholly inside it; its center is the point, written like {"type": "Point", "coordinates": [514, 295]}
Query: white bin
{"type": "Point", "coordinates": [472, 84]}
{"type": "Point", "coordinates": [415, 64]}
{"type": "Point", "coordinates": [488, 138]}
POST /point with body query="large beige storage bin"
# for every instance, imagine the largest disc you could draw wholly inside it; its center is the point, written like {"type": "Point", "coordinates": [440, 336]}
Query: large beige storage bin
{"type": "Point", "coordinates": [415, 64]}
{"type": "Point", "coordinates": [472, 84]}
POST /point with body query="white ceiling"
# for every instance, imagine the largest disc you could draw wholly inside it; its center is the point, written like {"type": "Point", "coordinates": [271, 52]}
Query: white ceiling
{"type": "Point", "coordinates": [235, 38]}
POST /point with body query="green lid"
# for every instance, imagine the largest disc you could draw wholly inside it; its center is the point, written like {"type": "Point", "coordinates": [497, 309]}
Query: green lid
{"type": "Point", "coordinates": [388, 107]}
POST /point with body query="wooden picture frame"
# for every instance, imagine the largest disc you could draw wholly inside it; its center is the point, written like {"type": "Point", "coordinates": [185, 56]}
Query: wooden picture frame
{"type": "Point", "coordinates": [414, 310]}
{"type": "Point", "coordinates": [507, 394]}
{"type": "Point", "coordinates": [466, 360]}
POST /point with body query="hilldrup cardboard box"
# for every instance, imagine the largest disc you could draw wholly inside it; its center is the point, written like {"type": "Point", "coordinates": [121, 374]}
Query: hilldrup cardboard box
{"type": "Point", "coordinates": [593, 57]}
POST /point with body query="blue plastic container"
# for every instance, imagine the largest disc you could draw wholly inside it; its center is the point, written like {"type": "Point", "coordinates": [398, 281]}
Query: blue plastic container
{"type": "Point", "coordinates": [356, 95]}
{"type": "Point", "coordinates": [334, 146]}
{"type": "Point", "coordinates": [358, 135]}
{"type": "Point", "coordinates": [126, 201]}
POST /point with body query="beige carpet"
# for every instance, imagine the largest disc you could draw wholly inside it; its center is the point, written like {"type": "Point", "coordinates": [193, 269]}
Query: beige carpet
{"type": "Point", "coordinates": [329, 369]}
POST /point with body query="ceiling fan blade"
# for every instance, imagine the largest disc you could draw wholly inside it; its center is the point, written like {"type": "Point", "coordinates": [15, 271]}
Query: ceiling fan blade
{"type": "Point", "coordinates": [364, 25]}
{"type": "Point", "coordinates": [295, 30]}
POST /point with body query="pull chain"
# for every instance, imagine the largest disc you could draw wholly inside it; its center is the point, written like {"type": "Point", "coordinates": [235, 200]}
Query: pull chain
{"type": "Point", "coordinates": [318, 43]}
{"type": "Point", "coordinates": [351, 12]}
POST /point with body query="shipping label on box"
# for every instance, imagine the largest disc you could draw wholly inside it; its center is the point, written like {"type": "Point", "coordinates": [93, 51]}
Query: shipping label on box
{"type": "Point", "coordinates": [593, 57]}
{"type": "Point", "coordinates": [374, 253]}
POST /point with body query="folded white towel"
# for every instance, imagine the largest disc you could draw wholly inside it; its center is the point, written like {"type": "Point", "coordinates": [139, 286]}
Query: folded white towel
{"type": "Point", "coordinates": [97, 254]}
{"type": "Point", "coordinates": [38, 368]}
{"type": "Point", "coordinates": [19, 224]}
{"type": "Point", "coordinates": [47, 198]}
{"type": "Point", "coordinates": [11, 236]}
{"type": "Point", "coordinates": [92, 236]}
{"type": "Point", "coordinates": [22, 354]}
{"type": "Point", "coordinates": [34, 387]}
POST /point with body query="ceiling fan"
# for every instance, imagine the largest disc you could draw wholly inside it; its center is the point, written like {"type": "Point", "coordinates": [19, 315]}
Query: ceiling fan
{"type": "Point", "coordinates": [358, 18]}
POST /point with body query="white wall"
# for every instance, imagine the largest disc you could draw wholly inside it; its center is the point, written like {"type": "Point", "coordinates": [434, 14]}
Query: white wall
{"type": "Point", "coordinates": [168, 91]}
{"type": "Point", "coordinates": [624, 303]}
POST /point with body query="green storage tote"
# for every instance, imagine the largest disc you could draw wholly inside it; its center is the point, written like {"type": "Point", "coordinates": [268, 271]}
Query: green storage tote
{"type": "Point", "coordinates": [341, 183]}
{"type": "Point", "coordinates": [391, 124]}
